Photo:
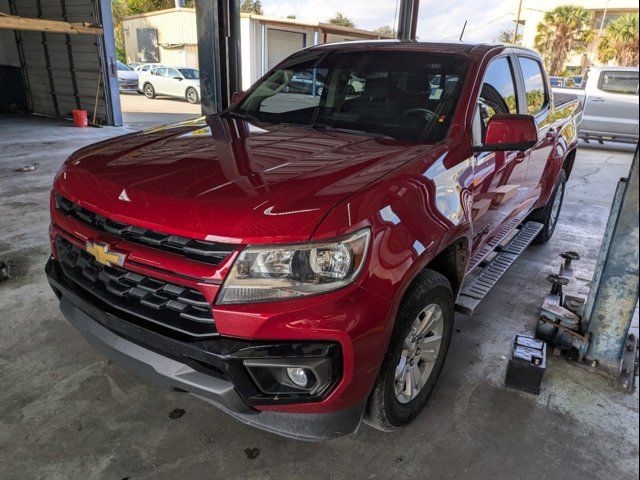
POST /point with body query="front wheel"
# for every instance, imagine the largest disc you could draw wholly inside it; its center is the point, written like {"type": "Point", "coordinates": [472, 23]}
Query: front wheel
{"type": "Point", "coordinates": [192, 95]}
{"type": "Point", "coordinates": [549, 214]}
{"type": "Point", "coordinates": [416, 354]}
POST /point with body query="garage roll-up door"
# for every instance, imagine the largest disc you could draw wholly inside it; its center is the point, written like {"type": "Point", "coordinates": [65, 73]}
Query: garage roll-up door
{"type": "Point", "coordinates": [281, 44]}
{"type": "Point", "coordinates": [64, 72]}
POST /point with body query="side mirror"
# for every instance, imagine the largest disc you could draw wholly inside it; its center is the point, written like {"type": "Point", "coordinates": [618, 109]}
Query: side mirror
{"type": "Point", "coordinates": [237, 97]}
{"type": "Point", "coordinates": [178, 78]}
{"type": "Point", "coordinates": [509, 132]}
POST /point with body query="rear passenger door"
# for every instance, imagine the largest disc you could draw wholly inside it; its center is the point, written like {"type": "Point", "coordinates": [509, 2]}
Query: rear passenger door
{"type": "Point", "coordinates": [498, 176]}
{"type": "Point", "coordinates": [537, 102]}
{"type": "Point", "coordinates": [159, 80]}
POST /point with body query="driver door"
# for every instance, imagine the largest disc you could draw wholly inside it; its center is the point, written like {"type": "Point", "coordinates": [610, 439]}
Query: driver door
{"type": "Point", "coordinates": [498, 177]}
{"type": "Point", "coordinates": [175, 86]}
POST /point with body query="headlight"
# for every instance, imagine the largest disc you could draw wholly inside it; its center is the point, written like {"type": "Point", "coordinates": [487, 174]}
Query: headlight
{"type": "Point", "coordinates": [280, 272]}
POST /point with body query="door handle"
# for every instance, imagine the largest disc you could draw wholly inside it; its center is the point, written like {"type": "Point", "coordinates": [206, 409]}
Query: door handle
{"type": "Point", "coordinates": [597, 99]}
{"type": "Point", "coordinates": [521, 156]}
{"type": "Point", "coordinates": [551, 134]}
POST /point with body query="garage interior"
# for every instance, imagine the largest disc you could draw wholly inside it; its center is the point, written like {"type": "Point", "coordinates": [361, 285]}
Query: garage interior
{"type": "Point", "coordinates": [67, 412]}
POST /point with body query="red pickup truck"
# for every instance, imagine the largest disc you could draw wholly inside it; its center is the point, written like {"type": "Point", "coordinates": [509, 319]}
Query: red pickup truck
{"type": "Point", "coordinates": [297, 259]}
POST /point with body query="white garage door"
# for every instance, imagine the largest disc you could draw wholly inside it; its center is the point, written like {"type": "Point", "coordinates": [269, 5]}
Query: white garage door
{"type": "Point", "coordinates": [281, 44]}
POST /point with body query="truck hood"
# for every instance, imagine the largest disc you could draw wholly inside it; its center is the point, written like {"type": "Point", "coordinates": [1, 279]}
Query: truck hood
{"type": "Point", "coordinates": [225, 180]}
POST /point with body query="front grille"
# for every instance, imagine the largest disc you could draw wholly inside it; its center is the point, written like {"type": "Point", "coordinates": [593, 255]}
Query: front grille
{"type": "Point", "coordinates": [199, 250]}
{"type": "Point", "coordinates": [178, 308]}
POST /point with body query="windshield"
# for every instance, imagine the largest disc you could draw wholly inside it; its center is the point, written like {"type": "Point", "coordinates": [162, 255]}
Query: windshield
{"type": "Point", "coordinates": [123, 67]}
{"type": "Point", "coordinates": [403, 95]}
{"type": "Point", "coordinates": [190, 73]}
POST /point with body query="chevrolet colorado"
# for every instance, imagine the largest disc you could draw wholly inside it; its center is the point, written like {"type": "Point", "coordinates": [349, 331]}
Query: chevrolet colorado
{"type": "Point", "coordinates": [296, 259]}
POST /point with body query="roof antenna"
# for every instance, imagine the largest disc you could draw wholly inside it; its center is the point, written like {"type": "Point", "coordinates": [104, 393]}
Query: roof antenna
{"type": "Point", "coordinates": [463, 29]}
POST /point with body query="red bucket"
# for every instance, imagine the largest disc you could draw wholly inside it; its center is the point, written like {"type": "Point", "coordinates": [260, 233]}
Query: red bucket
{"type": "Point", "coordinates": [80, 118]}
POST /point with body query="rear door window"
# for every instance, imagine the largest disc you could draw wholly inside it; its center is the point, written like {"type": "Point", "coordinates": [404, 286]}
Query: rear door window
{"type": "Point", "coordinates": [619, 82]}
{"type": "Point", "coordinates": [537, 97]}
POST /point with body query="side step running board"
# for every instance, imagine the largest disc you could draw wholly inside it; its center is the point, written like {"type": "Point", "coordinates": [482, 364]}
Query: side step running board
{"type": "Point", "coordinates": [479, 286]}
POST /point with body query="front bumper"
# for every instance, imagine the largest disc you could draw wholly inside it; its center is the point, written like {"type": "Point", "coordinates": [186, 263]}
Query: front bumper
{"type": "Point", "coordinates": [211, 370]}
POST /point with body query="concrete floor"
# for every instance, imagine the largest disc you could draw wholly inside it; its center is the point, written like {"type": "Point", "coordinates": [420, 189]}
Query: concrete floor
{"type": "Point", "coordinates": [140, 112]}
{"type": "Point", "coordinates": [67, 413]}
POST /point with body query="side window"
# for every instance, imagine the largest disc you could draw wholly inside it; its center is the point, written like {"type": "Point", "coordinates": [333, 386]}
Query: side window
{"type": "Point", "coordinates": [498, 94]}
{"type": "Point", "coordinates": [172, 72]}
{"type": "Point", "coordinates": [533, 84]}
{"type": "Point", "coordinates": [619, 82]}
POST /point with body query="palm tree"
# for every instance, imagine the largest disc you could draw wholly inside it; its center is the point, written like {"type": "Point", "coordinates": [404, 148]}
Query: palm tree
{"type": "Point", "coordinates": [620, 42]}
{"type": "Point", "coordinates": [564, 31]}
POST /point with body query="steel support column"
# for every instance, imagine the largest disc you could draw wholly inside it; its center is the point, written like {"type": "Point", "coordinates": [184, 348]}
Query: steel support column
{"type": "Point", "coordinates": [408, 19]}
{"type": "Point", "coordinates": [614, 293]}
{"type": "Point", "coordinates": [109, 71]}
{"type": "Point", "coordinates": [218, 25]}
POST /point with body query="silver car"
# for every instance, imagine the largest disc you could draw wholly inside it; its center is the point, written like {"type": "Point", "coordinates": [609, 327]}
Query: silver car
{"type": "Point", "coordinates": [172, 82]}
{"type": "Point", "coordinates": [609, 104]}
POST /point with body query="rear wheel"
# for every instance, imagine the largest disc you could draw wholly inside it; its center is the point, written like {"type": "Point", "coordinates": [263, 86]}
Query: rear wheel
{"type": "Point", "coordinates": [416, 353]}
{"type": "Point", "coordinates": [192, 95]}
{"type": "Point", "coordinates": [549, 214]}
{"type": "Point", "coordinates": [149, 91]}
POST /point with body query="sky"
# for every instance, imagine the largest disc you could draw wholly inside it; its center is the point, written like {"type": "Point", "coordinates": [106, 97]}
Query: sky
{"type": "Point", "coordinates": [438, 19]}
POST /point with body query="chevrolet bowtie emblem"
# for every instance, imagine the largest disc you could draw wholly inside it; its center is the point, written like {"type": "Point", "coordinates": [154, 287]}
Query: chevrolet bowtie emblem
{"type": "Point", "coordinates": [103, 255]}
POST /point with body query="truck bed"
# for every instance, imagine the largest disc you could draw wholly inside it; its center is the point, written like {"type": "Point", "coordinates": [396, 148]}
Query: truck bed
{"type": "Point", "coordinates": [562, 100]}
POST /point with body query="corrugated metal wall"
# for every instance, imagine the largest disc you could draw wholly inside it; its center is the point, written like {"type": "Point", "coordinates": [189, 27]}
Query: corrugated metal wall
{"type": "Point", "coordinates": [63, 72]}
{"type": "Point", "coordinates": [174, 28]}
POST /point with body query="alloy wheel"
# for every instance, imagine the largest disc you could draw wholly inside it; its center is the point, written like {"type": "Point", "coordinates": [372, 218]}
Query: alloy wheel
{"type": "Point", "coordinates": [419, 353]}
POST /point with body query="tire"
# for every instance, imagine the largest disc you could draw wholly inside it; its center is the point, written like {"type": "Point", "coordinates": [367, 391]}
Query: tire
{"type": "Point", "coordinates": [149, 91]}
{"type": "Point", "coordinates": [389, 408]}
{"type": "Point", "coordinates": [192, 95]}
{"type": "Point", "coordinates": [548, 215]}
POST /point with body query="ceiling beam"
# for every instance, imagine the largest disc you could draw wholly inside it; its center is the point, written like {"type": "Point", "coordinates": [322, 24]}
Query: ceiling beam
{"type": "Point", "coordinates": [13, 22]}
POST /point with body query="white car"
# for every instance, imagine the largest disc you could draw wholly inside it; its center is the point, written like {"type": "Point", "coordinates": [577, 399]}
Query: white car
{"type": "Point", "coordinates": [127, 79]}
{"type": "Point", "coordinates": [171, 81]}
{"type": "Point", "coordinates": [145, 67]}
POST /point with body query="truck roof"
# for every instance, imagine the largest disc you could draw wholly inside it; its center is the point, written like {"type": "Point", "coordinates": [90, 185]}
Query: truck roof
{"type": "Point", "coordinates": [453, 47]}
{"type": "Point", "coordinates": [614, 69]}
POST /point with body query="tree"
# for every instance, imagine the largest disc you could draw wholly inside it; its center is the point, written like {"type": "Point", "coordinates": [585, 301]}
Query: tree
{"type": "Point", "coordinates": [564, 31]}
{"type": "Point", "coordinates": [385, 31]}
{"type": "Point", "coordinates": [620, 42]}
{"type": "Point", "coordinates": [342, 20]}
{"type": "Point", "coordinates": [252, 6]}
{"type": "Point", "coordinates": [506, 36]}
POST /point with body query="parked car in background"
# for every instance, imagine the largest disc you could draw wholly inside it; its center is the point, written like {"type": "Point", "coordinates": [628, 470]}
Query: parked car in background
{"type": "Point", "coordinates": [145, 67]}
{"type": "Point", "coordinates": [296, 259]}
{"type": "Point", "coordinates": [172, 82]}
{"type": "Point", "coordinates": [127, 79]}
{"type": "Point", "coordinates": [609, 100]}
{"type": "Point", "coordinates": [562, 82]}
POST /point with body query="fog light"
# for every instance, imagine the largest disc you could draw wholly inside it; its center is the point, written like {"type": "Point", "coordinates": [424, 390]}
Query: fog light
{"type": "Point", "coordinates": [298, 376]}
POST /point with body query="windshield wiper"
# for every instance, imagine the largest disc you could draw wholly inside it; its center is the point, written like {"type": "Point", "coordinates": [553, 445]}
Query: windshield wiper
{"type": "Point", "coordinates": [323, 127]}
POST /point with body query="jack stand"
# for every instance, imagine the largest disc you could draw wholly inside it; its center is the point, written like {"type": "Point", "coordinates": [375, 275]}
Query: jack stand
{"type": "Point", "coordinates": [560, 322]}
